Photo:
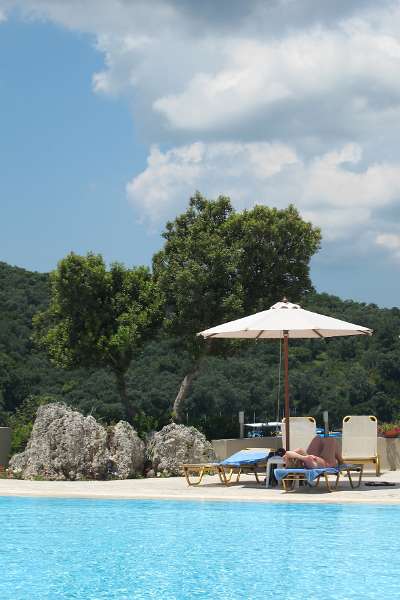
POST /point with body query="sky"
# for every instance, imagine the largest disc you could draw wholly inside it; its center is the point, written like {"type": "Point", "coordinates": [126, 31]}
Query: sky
{"type": "Point", "coordinates": [114, 112]}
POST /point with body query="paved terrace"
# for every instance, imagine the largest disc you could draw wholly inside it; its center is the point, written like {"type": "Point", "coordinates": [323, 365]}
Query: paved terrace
{"type": "Point", "coordinates": [175, 488]}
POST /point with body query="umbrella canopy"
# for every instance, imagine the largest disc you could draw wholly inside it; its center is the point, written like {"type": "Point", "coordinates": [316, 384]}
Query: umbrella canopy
{"type": "Point", "coordinates": [283, 321]}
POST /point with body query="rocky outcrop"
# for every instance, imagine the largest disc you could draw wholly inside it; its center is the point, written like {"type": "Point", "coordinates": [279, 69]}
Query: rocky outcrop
{"type": "Point", "coordinates": [126, 451]}
{"type": "Point", "coordinates": [176, 444]}
{"type": "Point", "coordinates": [66, 445]}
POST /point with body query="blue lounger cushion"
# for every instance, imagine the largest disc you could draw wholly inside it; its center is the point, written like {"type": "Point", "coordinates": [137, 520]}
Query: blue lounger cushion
{"type": "Point", "coordinates": [244, 460]}
{"type": "Point", "coordinates": [245, 457]}
{"type": "Point", "coordinates": [310, 474]}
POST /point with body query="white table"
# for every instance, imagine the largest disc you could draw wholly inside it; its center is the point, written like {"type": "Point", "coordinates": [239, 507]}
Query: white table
{"type": "Point", "coordinates": [274, 460]}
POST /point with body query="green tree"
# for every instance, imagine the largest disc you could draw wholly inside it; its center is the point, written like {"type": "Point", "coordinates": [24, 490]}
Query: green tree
{"type": "Point", "coordinates": [272, 249]}
{"type": "Point", "coordinates": [217, 265]}
{"type": "Point", "coordinates": [98, 317]}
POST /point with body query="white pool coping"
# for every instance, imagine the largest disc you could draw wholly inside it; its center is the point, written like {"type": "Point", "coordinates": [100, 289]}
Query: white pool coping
{"type": "Point", "coordinates": [176, 488]}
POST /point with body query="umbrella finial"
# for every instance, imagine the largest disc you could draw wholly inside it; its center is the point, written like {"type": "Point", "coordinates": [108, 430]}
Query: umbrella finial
{"type": "Point", "coordinates": [284, 299]}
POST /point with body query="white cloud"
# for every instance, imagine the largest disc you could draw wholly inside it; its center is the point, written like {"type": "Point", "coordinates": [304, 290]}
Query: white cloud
{"type": "Point", "coordinates": [198, 68]}
{"type": "Point", "coordinates": [390, 242]}
{"type": "Point", "coordinates": [257, 100]}
{"type": "Point", "coordinates": [257, 75]}
{"type": "Point", "coordinates": [340, 200]}
{"type": "Point", "coordinates": [121, 57]}
{"type": "Point", "coordinates": [330, 184]}
{"type": "Point", "coordinates": [220, 168]}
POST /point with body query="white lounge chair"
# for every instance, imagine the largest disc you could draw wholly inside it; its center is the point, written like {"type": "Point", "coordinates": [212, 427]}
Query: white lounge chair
{"type": "Point", "coordinates": [301, 431]}
{"type": "Point", "coordinates": [360, 440]}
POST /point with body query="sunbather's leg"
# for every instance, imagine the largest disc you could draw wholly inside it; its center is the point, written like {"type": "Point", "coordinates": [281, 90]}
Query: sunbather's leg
{"type": "Point", "coordinates": [338, 455]}
{"type": "Point", "coordinates": [315, 446]}
{"type": "Point", "coordinates": [330, 452]}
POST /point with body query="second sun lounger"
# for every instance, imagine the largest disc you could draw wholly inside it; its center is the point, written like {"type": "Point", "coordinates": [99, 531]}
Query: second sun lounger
{"type": "Point", "coordinates": [250, 460]}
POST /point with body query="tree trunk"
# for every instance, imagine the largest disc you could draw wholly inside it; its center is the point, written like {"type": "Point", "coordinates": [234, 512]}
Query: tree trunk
{"type": "Point", "coordinates": [183, 392]}
{"type": "Point", "coordinates": [121, 385]}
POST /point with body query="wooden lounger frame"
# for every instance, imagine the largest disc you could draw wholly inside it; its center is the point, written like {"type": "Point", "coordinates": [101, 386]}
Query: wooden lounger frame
{"type": "Point", "coordinates": [373, 459]}
{"type": "Point", "coordinates": [225, 472]}
{"type": "Point", "coordinates": [289, 482]}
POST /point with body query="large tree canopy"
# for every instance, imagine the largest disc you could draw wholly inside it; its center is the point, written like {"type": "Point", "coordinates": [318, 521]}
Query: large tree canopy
{"type": "Point", "coordinates": [98, 317]}
{"type": "Point", "coordinates": [196, 268]}
{"type": "Point", "coordinates": [218, 264]}
{"type": "Point", "coordinates": [273, 249]}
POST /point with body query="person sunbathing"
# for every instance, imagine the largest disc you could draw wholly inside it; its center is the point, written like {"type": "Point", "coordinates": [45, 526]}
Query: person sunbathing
{"type": "Point", "coordinates": [322, 452]}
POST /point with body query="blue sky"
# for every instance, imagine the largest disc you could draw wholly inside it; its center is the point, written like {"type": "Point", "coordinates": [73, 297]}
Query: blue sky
{"type": "Point", "coordinates": [113, 113]}
{"type": "Point", "coordinates": [66, 154]}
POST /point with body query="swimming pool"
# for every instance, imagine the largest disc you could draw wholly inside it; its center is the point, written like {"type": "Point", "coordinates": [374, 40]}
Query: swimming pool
{"type": "Point", "coordinates": [56, 549]}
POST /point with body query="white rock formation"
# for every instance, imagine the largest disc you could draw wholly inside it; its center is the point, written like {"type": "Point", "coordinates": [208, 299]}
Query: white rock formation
{"type": "Point", "coordinates": [176, 444]}
{"type": "Point", "coordinates": [126, 451]}
{"type": "Point", "coordinates": [65, 445]}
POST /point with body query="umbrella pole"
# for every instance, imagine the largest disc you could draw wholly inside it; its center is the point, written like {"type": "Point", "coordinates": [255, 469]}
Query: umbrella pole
{"type": "Point", "coordinates": [286, 363]}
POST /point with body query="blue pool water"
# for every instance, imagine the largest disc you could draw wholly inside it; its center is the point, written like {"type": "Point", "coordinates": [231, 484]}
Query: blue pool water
{"type": "Point", "coordinates": [53, 549]}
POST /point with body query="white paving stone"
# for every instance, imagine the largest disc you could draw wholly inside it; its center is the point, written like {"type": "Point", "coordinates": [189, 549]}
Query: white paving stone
{"type": "Point", "coordinates": [176, 488]}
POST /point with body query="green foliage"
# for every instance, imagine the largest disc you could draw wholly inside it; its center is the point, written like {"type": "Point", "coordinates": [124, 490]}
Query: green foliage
{"type": "Point", "coordinates": [351, 375]}
{"type": "Point", "coordinates": [196, 267]}
{"type": "Point", "coordinates": [144, 424]}
{"type": "Point", "coordinates": [273, 249]}
{"type": "Point", "coordinates": [22, 294]}
{"type": "Point", "coordinates": [217, 265]}
{"type": "Point", "coordinates": [384, 427]}
{"type": "Point", "coordinates": [98, 318]}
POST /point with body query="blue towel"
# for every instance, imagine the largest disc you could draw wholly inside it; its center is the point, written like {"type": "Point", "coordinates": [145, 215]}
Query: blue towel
{"type": "Point", "coordinates": [349, 466]}
{"type": "Point", "coordinates": [242, 458]}
{"type": "Point", "coordinates": [310, 474]}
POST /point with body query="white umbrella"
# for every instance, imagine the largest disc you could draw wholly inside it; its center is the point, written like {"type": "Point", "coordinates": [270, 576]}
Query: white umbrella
{"type": "Point", "coordinates": [285, 320]}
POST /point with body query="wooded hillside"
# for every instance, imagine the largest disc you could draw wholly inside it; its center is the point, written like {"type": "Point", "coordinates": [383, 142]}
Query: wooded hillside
{"type": "Point", "coordinates": [341, 375]}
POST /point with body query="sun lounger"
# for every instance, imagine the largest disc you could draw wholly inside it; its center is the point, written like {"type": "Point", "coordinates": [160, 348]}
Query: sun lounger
{"type": "Point", "coordinates": [289, 476]}
{"type": "Point", "coordinates": [302, 431]}
{"type": "Point", "coordinates": [360, 440]}
{"type": "Point", "coordinates": [250, 460]}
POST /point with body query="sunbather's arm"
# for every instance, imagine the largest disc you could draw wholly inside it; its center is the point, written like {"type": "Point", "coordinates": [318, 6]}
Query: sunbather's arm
{"type": "Point", "coordinates": [298, 454]}
{"type": "Point", "coordinates": [310, 461]}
